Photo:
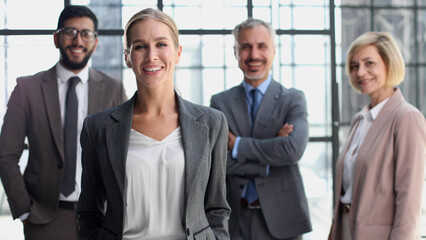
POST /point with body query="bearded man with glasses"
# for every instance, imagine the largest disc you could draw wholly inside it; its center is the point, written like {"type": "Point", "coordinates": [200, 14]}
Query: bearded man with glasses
{"type": "Point", "coordinates": [48, 109]}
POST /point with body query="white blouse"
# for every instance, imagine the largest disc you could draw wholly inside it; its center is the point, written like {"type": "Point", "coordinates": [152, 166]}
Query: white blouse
{"type": "Point", "coordinates": [154, 187]}
{"type": "Point", "coordinates": [367, 117]}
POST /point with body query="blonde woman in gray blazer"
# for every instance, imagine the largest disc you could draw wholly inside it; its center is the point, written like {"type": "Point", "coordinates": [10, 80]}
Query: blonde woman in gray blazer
{"type": "Point", "coordinates": [188, 197]}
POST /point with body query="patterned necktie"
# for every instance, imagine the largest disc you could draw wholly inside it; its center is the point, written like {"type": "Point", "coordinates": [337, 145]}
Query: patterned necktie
{"type": "Point", "coordinates": [251, 194]}
{"type": "Point", "coordinates": [70, 137]}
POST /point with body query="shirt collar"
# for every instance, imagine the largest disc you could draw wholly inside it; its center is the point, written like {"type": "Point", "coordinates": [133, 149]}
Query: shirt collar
{"type": "Point", "coordinates": [262, 87]}
{"type": "Point", "coordinates": [65, 74]}
{"type": "Point", "coordinates": [375, 110]}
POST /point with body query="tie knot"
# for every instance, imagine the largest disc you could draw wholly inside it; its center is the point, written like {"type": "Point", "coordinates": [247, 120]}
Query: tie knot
{"type": "Point", "coordinates": [73, 81]}
{"type": "Point", "coordinates": [254, 94]}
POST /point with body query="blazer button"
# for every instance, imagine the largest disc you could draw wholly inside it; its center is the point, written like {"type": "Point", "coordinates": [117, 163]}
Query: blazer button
{"type": "Point", "coordinates": [242, 186]}
{"type": "Point", "coordinates": [60, 165]}
{"type": "Point", "coordinates": [188, 233]}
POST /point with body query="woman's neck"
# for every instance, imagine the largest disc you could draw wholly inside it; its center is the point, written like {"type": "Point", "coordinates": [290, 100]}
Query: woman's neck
{"type": "Point", "coordinates": [378, 97]}
{"type": "Point", "coordinates": [155, 102]}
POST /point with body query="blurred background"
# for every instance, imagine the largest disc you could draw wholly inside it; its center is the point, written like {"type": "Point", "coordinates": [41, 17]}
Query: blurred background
{"type": "Point", "coordinates": [312, 39]}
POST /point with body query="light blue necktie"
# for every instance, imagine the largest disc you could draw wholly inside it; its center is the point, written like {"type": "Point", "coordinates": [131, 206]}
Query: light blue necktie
{"type": "Point", "coordinates": [251, 194]}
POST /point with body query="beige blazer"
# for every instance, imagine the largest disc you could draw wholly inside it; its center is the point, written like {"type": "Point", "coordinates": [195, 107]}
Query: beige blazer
{"type": "Point", "coordinates": [388, 175]}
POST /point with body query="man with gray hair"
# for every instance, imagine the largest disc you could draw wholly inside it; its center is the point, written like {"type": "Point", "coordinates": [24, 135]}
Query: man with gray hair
{"type": "Point", "coordinates": [268, 133]}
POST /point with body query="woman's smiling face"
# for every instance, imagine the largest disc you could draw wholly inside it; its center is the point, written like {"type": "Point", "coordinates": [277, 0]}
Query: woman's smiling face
{"type": "Point", "coordinates": [152, 53]}
{"type": "Point", "coordinates": [368, 71]}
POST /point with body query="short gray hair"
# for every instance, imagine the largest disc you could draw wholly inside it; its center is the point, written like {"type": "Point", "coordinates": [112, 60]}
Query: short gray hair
{"type": "Point", "coordinates": [250, 23]}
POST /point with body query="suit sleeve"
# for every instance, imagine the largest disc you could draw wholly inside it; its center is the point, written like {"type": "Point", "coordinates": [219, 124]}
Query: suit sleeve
{"type": "Point", "coordinates": [238, 168]}
{"type": "Point", "coordinates": [245, 169]}
{"type": "Point", "coordinates": [92, 198]}
{"type": "Point", "coordinates": [410, 145]}
{"type": "Point", "coordinates": [280, 151]}
{"type": "Point", "coordinates": [216, 206]}
{"type": "Point", "coordinates": [12, 138]}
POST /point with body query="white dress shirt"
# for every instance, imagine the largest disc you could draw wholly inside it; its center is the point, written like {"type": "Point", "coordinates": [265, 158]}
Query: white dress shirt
{"type": "Point", "coordinates": [367, 118]}
{"type": "Point", "coordinates": [154, 188]}
{"type": "Point", "coordinates": [82, 91]}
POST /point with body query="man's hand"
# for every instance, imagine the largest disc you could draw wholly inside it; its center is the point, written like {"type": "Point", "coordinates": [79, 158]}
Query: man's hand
{"type": "Point", "coordinates": [285, 130]}
{"type": "Point", "coordinates": [231, 141]}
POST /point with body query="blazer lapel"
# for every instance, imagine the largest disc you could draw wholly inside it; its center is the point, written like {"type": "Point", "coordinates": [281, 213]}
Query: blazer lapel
{"type": "Point", "coordinates": [117, 140]}
{"type": "Point", "coordinates": [375, 131]}
{"type": "Point", "coordinates": [96, 92]}
{"type": "Point", "coordinates": [238, 104]}
{"type": "Point", "coordinates": [194, 137]}
{"type": "Point", "coordinates": [380, 122]}
{"type": "Point", "coordinates": [341, 159]}
{"type": "Point", "coordinates": [266, 108]}
{"type": "Point", "coordinates": [49, 89]}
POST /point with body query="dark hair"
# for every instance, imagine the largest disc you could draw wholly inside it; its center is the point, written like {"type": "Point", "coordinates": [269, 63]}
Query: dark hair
{"type": "Point", "coordinates": [77, 11]}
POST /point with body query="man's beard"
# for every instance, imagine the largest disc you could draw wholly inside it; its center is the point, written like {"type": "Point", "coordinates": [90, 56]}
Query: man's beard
{"type": "Point", "coordinates": [66, 61]}
{"type": "Point", "coordinates": [254, 78]}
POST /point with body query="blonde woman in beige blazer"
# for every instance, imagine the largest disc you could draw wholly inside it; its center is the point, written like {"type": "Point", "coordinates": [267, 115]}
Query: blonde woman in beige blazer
{"type": "Point", "coordinates": [380, 171]}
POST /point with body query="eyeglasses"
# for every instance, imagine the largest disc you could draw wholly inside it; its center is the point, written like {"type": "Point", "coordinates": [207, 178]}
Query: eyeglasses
{"type": "Point", "coordinates": [70, 33]}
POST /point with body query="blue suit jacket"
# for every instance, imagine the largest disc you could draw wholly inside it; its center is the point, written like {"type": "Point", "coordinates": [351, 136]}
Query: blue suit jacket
{"type": "Point", "coordinates": [281, 192]}
{"type": "Point", "coordinates": [105, 139]}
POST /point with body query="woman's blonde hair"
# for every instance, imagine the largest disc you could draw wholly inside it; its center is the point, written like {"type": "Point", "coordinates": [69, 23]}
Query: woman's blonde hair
{"type": "Point", "coordinates": [388, 51]}
{"type": "Point", "coordinates": [154, 14]}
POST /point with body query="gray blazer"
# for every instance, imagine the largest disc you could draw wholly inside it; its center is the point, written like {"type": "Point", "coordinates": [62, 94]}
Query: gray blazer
{"type": "Point", "coordinates": [281, 192]}
{"type": "Point", "coordinates": [105, 139]}
{"type": "Point", "coordinates": [34, 112]}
